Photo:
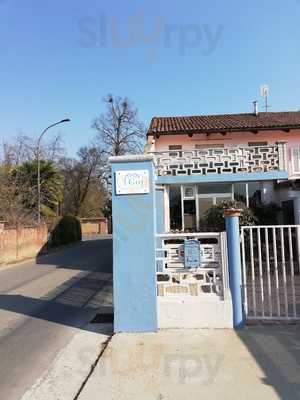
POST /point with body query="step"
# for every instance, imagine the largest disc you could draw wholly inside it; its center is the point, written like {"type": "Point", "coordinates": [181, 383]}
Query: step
{"type": "Point", "coordinates": [198, 312]}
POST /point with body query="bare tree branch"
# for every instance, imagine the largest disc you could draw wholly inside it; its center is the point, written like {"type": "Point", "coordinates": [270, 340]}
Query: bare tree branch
{"type": "Point", "coordinates": [119, 131]}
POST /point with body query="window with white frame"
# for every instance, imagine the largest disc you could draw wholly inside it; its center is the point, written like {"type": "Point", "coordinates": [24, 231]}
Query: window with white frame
{"type": "Point", "coordinates": [188, 204]}
{"type": "Point", "coordinates": [189, 192]}
{"type": "Point", "coordinates": [295, 158]}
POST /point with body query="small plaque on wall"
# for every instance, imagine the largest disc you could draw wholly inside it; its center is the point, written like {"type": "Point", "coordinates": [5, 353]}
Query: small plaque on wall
{"type": "Point", "coordinates": [192, 257]}
{"type": "Point", "coordinates": [132, 182]}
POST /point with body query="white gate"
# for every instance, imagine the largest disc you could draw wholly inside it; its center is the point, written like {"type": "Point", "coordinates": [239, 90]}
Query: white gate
{"type": "Point", "coordinates": [208, 278]}
{"type": "Point", "coordinates": [198, 296]}
{"type": "Point", "coordinates": [271, 272]}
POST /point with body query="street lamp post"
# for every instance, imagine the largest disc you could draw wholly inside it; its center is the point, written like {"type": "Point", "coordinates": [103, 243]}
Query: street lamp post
{"type": "Point", "coordinates": [38, 164]}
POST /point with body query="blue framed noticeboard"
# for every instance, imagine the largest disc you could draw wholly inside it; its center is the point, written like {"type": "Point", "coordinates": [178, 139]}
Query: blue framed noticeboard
{"type": "Point", "coordinates": [192, 258]}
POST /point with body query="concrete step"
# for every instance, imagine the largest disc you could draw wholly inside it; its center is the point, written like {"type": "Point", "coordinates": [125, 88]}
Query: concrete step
{"type": "Point", "coordinates": [212, 312]}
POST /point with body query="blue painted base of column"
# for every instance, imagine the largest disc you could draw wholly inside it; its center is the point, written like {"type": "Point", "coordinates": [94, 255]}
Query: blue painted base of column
{"type": "Point", "coordinates": [235, 272]}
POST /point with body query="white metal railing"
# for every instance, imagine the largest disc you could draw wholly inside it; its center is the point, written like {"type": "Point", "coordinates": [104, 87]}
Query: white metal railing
{"type": "Point", "coordinates": [271, 271]}
{"type": "Point", "coordinates": [221, 160]}
{"type": "Point", "coordinates": [209, 278]}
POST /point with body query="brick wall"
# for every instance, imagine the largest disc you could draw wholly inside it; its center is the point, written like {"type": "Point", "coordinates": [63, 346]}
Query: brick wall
{"type": "Point", "coordinates": [94, 226]}
{"type": "Point", "coordinates": [16, 245]}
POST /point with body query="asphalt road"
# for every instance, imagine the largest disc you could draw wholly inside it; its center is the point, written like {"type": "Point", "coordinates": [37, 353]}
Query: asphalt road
{"type": "Point", "coordinates": [42, 305]}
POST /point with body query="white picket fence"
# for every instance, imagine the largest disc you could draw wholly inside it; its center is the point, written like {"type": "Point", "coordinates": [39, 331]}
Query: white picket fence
{"type": "Point", "coordinates": [271, 272]}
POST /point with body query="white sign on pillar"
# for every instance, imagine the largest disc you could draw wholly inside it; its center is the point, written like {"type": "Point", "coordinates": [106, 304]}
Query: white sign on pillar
{"type": "Point", "coordinates": [132, 182]}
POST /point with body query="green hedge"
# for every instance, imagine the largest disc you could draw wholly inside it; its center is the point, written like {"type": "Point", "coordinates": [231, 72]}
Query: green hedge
{"type": "Point", "coordinates": [68, 230]}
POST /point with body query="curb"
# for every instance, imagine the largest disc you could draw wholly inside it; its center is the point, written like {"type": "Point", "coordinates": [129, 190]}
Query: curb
{"type": "Point", "coordinates": [105, 345]}
{"type": "Point", "coordinates": [69, 372]}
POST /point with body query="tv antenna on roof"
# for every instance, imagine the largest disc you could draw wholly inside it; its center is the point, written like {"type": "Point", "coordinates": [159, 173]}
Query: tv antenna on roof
{"type": "Point", "coordinates": [264, 91]}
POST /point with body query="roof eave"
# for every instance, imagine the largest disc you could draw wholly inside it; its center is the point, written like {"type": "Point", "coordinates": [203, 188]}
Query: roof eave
{"type": "Point", "coordinates": [222, 130]}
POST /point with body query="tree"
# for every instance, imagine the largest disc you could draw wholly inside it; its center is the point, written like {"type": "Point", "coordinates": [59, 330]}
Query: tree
{"type": "Point", "coordinates": [51, 185]}
{"type": "Point", "coordinates": [12, 199]}
{"type": "Point", "coordinates": [119, 131]}
{"type": "Point", "coordinates": [107, 208]}
{"type": "Point", "coordinates": [24, 148]}
{"type": "Point", "coordinates": [18, 179]}
{"type": "Point", "coordinates": [84, 192]}
{"type": "Point", "coordinates": [20, 149]}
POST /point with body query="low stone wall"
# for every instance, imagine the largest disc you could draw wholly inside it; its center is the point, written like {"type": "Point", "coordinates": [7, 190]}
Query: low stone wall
{"type": "Point", "coordinates": [19, 244]}
{"type": "Point", "coordinates": [94, 226]}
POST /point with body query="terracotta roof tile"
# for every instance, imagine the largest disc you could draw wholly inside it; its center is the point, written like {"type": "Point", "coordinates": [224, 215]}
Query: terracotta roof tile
{"type": "Point", "coordinates": [223, 123]}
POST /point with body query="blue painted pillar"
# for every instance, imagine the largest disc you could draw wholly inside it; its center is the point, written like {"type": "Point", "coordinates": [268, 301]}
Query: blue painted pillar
{"type": "Point", "coordinates": [234, 264]}
{"type": "Point", "coordinates": [134, 229]}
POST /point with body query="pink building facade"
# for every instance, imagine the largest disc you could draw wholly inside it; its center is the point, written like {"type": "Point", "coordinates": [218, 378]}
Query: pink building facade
{"type": "Point", "coordinates": [206, 159]}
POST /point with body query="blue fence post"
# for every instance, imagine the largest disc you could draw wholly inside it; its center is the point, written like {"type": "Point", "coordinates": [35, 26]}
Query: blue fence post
{"type": "Point", "coordinates": [134, 243]}
{"type": "Point", "coordinates": [234, 264]}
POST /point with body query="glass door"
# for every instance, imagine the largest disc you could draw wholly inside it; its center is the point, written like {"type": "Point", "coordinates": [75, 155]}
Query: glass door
{"type": "Point", "coordinates": [189, 208]}
{"type": "Point", "coordinates": [204, 204]}
{"type": "Point", "coordinates": [188, 204]}
{"type": "Point", "coordinates": [175, 206]}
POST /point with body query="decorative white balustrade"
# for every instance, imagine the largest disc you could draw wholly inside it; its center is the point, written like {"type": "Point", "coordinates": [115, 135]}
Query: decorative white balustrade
{"type": "Point", "coordinates": [210, 277]}
{"type": "Point", "coordinates": [221, 160]}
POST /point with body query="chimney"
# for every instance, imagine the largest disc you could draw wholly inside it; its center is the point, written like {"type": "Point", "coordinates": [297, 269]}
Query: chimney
{"type": "Point", "coordinates": [255, 108]}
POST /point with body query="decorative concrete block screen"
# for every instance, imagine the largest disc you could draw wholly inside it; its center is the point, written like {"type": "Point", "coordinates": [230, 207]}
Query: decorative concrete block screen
{"type": "Point", "coordinates": [208, 276]}
{"type": "Point", "coordinates": [220, 160]}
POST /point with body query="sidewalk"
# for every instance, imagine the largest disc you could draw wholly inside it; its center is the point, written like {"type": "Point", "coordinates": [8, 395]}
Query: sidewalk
{"type": "Point", "coordinates": [71, 368]}
{"type": "Point", "coordinates": [256, 363]}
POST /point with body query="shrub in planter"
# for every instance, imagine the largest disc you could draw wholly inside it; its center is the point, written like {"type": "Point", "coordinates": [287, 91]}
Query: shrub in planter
{"type": "Point", "coordinates": [68, 230]}
{"type": "Point", "coordinates": [214, 220]}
